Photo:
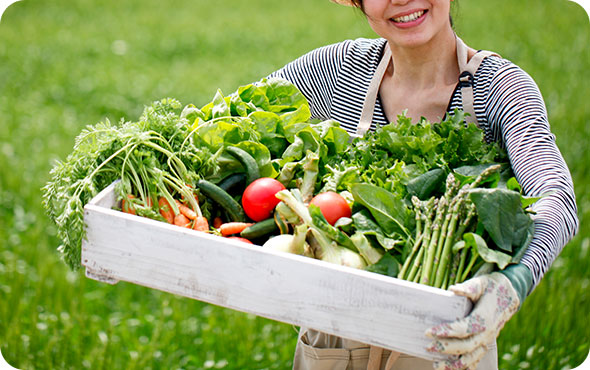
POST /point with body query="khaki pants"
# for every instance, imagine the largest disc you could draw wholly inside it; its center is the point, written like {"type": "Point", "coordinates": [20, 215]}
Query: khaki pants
{"type": "Point", "coordinates": [319, 351]}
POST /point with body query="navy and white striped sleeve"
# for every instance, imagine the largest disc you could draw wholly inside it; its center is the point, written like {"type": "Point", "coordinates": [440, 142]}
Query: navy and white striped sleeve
{"type": "Point", "coordinates": [517, 114]}
{"type": "Point", "coordinates": [316, 74]}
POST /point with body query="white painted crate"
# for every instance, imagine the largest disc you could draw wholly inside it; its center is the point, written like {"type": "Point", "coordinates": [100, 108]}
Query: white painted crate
{"type": "Point", "coordinates": [350, 303]}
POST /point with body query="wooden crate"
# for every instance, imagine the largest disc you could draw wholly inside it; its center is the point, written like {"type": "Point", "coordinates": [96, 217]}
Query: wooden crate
{"type": "Point", "coordinates": [350, 303]}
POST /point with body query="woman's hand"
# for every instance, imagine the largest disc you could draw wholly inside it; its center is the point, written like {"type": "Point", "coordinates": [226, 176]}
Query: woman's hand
{"type": "Point", "coordinates": [495, 301]}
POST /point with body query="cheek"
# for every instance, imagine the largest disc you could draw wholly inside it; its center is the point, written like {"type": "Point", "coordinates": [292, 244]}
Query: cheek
{"type": "Point", "coordinates": [442, 7]}
{"type": "Point", "coordinates": [375, 11]}
{"type": "Point", "coordinates": [374, 8]}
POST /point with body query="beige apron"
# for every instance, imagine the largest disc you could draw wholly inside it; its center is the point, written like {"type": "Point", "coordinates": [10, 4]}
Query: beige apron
{"type": "Point", "coordinates": [319, 351]}
{"type": "Point", "coordinates": [467, 68]}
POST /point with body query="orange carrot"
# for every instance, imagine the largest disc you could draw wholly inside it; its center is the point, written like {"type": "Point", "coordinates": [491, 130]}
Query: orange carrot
{"type": "Point", "coordinates": [196, 197]}
{"type": "Point", "coordinates": [201, 224]}
{"type": "Point", "coordinates": [149, 202]}
{"type": "Point", "coordinates": [166, 210]}
{"type": "Point", "coordinates": [181, 220]}
{"type": "Point", "coordinates": [230, 228]}
{"type": "Point", "coordinates": [189, 213]}
{"type": "Point", "coordinates": [127, 208]}
{"type": "Point", "coordinates": [217, 221]}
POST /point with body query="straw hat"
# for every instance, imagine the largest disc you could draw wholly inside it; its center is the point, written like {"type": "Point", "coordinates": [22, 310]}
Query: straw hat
{"type": "Point", "coordinates": [343, 2]}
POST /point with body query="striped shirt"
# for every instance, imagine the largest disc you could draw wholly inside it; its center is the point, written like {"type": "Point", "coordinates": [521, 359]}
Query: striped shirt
{"type": "Point", "coordinates": [509, 108]}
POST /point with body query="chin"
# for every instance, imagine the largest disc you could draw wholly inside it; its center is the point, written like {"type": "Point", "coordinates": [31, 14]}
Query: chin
{"type": "Point", "coordinates": [410, 41]}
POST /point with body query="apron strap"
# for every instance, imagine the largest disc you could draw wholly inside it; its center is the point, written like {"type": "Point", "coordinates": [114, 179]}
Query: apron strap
{"type": "Point", "coordinates": [393, 356]}
{"type": "Point", "coordinates": [371, 97]}
{"type": "Point", "coordinates": [375, 356]}
{"type": "Point", "coordinates": [468, 69]}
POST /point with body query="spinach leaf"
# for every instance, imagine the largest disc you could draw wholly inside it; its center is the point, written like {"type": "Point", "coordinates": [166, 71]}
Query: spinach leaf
{"type": "Point", "coordinates": [388, 210]}
{"type": "Point", "coordinates": [487, 254]}
{"type": "Point", "coordinates": [519, 251]}
{"type": "Point", "coordinates": [363, 222]}
{"type": "Point", "coordinates": [424, 185]}
{"type": "Point", "coordinates": [500, 211]}
{"type": "Point", "coordinates": [468, 174]}
{"type": "Point", "coordinates": [387, 265]}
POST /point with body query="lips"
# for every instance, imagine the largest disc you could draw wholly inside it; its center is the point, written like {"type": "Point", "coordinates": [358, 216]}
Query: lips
{"type": "Point", "coordinates": [409, 19]}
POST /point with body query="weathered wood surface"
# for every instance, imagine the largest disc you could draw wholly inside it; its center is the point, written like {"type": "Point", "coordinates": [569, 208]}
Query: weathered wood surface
{"type": "Point", "coordinates": [355, 304]}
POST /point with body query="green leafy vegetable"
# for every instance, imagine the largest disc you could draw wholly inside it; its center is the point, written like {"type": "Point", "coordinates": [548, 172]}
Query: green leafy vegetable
{"type": "Point", "coordinates": [424, 185]}
{"type": "Point", "coordinates": [501, 213]}
{"type": "Point", "coordinates": [389, 211]}
{"type": "Point", "coordinates": [150, 157]}
{"type": "Point", "coordinates": [387, 265]}
{"type": "Point", "coordinates": [432, 202]}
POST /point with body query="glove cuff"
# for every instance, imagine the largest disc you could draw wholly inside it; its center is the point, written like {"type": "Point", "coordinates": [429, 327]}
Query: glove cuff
{"type": "Point", "coordinates": [521, 278]}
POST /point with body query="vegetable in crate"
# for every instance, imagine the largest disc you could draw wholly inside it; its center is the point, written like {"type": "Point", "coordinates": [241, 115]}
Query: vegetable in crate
{"type": "Point", "coordinates": [160, 158]}
{"type": "Point", "coordinates": [332, 205]}
{"type": "Point", "coordinates": [401, 159]}
{"type": "Point", "coordinates": [429, 241]}
{"type": "Point", "coordinates": [259, 199]}
{"type": "Point", "coordinates": [327, 243]}
{"type": "Point", "coordinates": [449, 247]}
{"type": "Point", "coordinates": [150, 157]}
{"type": "Point", "coordinates": [404, 222]}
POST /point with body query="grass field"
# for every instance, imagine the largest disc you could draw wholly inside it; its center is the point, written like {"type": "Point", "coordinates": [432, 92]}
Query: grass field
{"type": "Point", "coordinates": [66, 64]}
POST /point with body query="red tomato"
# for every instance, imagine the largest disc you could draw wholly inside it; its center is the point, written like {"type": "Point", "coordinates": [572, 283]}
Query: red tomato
{"type": "Point", "coordinates": [259, 199]}
{"type": "Point", "coordinates": [332, 205]}
{"type": "Point", "coordinates": [240, 239]}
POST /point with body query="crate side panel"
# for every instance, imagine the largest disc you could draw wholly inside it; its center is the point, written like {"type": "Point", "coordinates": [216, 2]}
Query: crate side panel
{"type": "Point", "coordinates": [290, 289]}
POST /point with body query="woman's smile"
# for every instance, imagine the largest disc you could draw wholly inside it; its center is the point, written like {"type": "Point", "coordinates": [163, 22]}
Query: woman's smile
{"type": "Point", "coordinates": [410, 23]}
{"type": "Point", "coordinates": [409, 19]}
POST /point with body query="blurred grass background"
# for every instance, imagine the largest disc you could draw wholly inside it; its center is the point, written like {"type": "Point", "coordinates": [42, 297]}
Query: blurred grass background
{"type": "Point", "coordinates": [66, 64]}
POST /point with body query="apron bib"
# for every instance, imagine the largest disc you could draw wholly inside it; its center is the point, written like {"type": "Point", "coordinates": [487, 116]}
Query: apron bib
{"type": "Point", "coordinates": [466, 67]}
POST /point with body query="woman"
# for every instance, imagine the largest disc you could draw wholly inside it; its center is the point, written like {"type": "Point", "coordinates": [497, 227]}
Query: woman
{"type": "Point", "coordinates": [420, 66]}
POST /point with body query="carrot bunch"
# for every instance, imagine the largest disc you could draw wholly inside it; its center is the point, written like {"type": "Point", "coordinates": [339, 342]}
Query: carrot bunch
{"type": "Point", "coordinates": [183, 214]}
{"type": "Point", "coordinates": [185, 217]}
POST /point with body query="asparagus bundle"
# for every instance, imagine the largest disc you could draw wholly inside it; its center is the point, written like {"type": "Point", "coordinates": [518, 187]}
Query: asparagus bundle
{"type": "Point", "coordinates": [439, 256]}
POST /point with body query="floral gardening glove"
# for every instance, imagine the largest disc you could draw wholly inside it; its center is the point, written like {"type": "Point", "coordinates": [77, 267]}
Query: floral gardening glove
{"type": "Point", "coordinates": [496, 298]}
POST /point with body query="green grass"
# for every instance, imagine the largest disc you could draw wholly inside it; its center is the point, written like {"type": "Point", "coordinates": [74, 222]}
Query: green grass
{"type": "Point", "coordinates": [67, 64]}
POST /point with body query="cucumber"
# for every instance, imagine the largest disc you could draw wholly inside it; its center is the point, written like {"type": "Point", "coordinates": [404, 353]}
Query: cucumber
{"type": "Point", "coordinates": [247, 161]}
{"type": "Point", "coordinates": [259, 229]}
{"type": "Point", "coordinates": [234, 183]}
{"type": "Point", "coordinates": [233, 209]}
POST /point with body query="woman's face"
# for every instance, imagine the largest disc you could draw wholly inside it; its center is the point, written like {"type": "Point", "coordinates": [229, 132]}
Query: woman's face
{"type": "Point", "coordinates": [408, 23]}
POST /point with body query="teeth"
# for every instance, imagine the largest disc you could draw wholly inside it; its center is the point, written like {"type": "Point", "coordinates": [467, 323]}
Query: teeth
{"type": "Point", "coordinates": [409, 17]}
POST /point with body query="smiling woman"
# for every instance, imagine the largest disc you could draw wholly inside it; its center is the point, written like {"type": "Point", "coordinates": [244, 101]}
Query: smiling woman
{"type": "Point", "coordinates": [420, 68]}
{"type": "Point", "coordinates": [62, 68]}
